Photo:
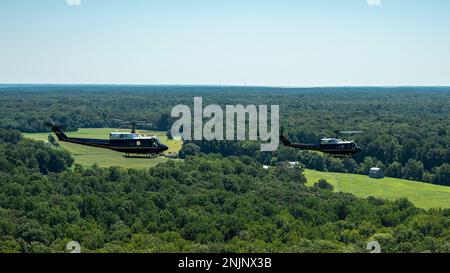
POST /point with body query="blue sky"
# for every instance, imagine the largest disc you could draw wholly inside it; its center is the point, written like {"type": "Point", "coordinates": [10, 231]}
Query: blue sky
{"type": "Point", "coordinates": [228, 42]}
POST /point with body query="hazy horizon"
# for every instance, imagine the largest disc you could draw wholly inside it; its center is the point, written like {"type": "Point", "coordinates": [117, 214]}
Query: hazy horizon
{"type": "Point", "coordinates": [221, 85]}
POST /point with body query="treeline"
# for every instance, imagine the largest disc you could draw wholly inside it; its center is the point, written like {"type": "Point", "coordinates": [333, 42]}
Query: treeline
{"type": "Point", "coordinates": [411, 170]}
{"type": "Point", "coordinates": [18, 155]}
{"type": "Point", "coordinates": [202, 204]}
{"type": "Point", "coordinates": [407, 130]}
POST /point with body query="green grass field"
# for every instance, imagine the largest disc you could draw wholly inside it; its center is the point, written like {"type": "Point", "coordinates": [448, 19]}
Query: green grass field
{"type": "Point", "coordinates": [423, 195]}
{"type": "Point", "coordinates": [85, 155]}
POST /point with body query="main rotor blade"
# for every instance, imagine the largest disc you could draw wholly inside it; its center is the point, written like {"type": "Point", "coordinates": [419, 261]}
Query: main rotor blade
{"type": "Point", "coordinates": [351, 132]}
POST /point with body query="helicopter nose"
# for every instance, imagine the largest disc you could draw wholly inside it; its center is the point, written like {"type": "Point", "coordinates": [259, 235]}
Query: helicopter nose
{"type": "Point", "coordinates": [164, 147]}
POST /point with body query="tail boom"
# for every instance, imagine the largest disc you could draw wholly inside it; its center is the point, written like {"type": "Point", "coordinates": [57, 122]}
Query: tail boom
{"type": "Point", "coordinates": [286, 142]}
{"type": "Point", "coordinates": [100, 143]}
{"type": "Point", "coordinates": [59, 133]}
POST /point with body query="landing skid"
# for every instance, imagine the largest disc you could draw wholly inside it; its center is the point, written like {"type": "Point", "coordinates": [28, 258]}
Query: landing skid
{"type": "Point", "coordinates": [147, 156]}
{"type": "Point", "coordinates": [341, 156]}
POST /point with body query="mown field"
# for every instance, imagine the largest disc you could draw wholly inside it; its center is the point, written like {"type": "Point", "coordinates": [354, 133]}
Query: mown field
{"type": "Point", "coordinates": [421, 194]}
{"type": "Point", "coordinates": [87, 156]}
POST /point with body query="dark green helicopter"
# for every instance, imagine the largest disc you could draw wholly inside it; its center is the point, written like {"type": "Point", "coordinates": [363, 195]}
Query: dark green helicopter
{"type": "Point", "coordinates": [332, 146]}
{"type": "Point", "coordinates": [124, 142]}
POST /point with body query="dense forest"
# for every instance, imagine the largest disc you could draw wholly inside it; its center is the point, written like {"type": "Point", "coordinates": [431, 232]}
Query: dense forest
{"type": "Point", "coordinates": [205, 203]}
{"type": "Point", "coordinates": [407, 130]}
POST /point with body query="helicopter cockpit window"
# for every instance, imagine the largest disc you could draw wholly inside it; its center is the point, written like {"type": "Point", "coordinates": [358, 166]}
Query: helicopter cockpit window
{"type": "Point", "coordinates": [153, 143]}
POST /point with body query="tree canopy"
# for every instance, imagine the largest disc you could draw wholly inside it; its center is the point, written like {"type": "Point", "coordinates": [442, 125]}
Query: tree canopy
{"type": "Point", "coordinates": [206, 203]}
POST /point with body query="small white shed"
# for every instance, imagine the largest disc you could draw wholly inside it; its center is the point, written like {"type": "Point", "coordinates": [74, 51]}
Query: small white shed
{"type": "Point", "coordinates": [376, 173]}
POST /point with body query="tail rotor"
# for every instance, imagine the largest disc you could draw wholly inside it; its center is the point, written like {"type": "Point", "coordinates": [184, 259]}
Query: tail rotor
{"type": "Point", "coordinates": [284, 140]}
{"type": "Point", "coordinates": [57, 129]}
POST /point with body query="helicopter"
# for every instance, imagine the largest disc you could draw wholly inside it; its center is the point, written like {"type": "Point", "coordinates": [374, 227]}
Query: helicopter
{"type": "Point", "coordinates": [125, 142]}
{"type": "Point", "coordinates": [333, 146]}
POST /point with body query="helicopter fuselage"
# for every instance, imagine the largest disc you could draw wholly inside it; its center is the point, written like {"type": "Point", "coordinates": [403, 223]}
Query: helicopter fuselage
{"type": "Point", "coordinates": [332, 146]}
{"type": "Point", "coordinates": [129, 143]}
